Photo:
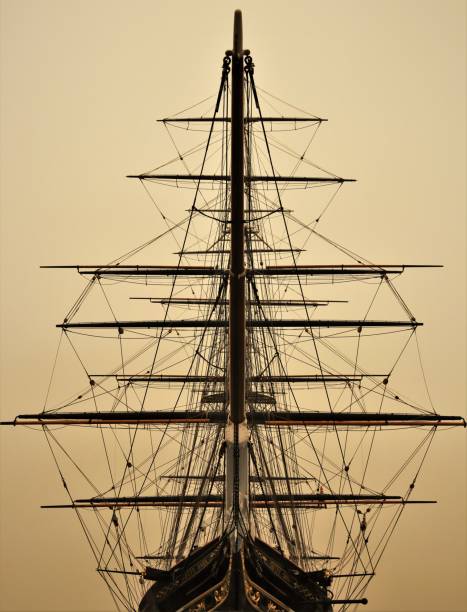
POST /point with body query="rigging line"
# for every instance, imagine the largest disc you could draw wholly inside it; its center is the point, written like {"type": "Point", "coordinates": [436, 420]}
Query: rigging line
{"type": "Point", "coordinates": [412, 485]}
{"type": "Point", "coordinates": [187, 153]}
{"type": "Point", "coordinates": [352, 456]}
{"type": "Point", "coordinates": [209, 363]}
{"type": "Point", "coordinates": [297, 126]}
{"type": "Point", "coordinates": [370, 451]}
{"type": "Point", "coordinates": [306, 428]}
{"type": "Point", "coordinates": [324, 210]}
{"type": "Point", "coordinates": [279, 511]}
{"type": "Point", "coordinates": [115, 520]}
{"type": "Point", "coordinates": [412, 332]}
{"type": "Point", "coordinates": [301, 158]}
{"type": "Point", "coordinates": [221, 290]}
{"type": "Point", "coordinates": [313, 136]}
{"type": "Point", "coordinates": [115, 590]}
{"type": "Point", "coordinates": [287, 103]}
{"type": "Point", "coordinates": [88, 536]}
{"type": "Point", "coordinates": [403, 505]}
{"type": "Point", "coordinates": [227, 221]}
{"type": "Point", "coordinates": [261, 162]}
{"type": "Point", "coordinates": [139, 468]}
{"type": "Point", "coordinates": [358, 258]}
{"type": "Point", "coordinates": [178, 125]}
{"type": "Point", "coordinates": [53, 372]}
{"type": "Point", "coordinates": [251, 78]}
{"type": "Point", "coordinates": [335, 471]}
{"type": "Point", "coordinates": [226, 141]}
{"type": "Point", "coordinates": [308, 359]}
{"type": "Point", "coordinates": [207, 243]}
{"type": "Point", "coordinates": [329, 550]}
{"type": "Point", "coordinates": [112, 552]}
{"type": "Point", "coordinates": [107, 457]}
{"type": "Point", "coordinates": [103, 440]}
{"type": "Point", "coordinates": [423, 373]}
{"type": "Point", "coordinates": [182, 158]}
{"type": "Point", "coordinates": [141, 247]}
{"type": "Point", "coordinates": [189, 450]}
{"type": "Point", "coordinates": [357, 355]}
{"type": "Point", "coordinates": [267, 366]}
{"type": "Point", "coordinates": [170, 224]}
{"type": "Point", "coordinates": [152, 462]}
{"type": "Point", "coordinates": [102, 523]}
{"type": "Point", "coordinates": [399, 298]}
{"type": "Point", "coordinates": [180, 542]}
{"type": "Point", "coordinates": [274, 108]}
{"type": "Point", "coordinates": [193, 106]}
{"type": "Point", "coordinates": [73, 402]}
{"type": "Point", "coordinates": [410, 458]}
{"type": "Point", "coordinates": [312, 225]}
{"type": "Point", "coordinates": [77, 304]}
{"type": "Point", "coordinates": [374, 390]}
{"type": "Point", "coordinates": [73, 462]}
{"type": "Point", "coordinates": [123, 566]}
{"type": "Point", "coordinates": [77, 355]}
{"type": "Point", "coordinates": [352, 588]}
{"type": "Point", "coordinates": [292, 174]}
{"type": "Point", "coordinates": [221, 88]}
{"type": "Point", "coordinates": [109, 392]}
{"type": "Point", "coordinates": [201, 491]}
{"type": "Point", "coordinates": [108, 302]}
{"type": "Point", "coordinates": [179, 510]}
{"type": "Point", "coordinates": [372, 524]}
{"type": "Point", "coordinates": [298, 163]}
{"type": "Point", "coordinates": [354, 564]}
{"type": "Point", "coordinates": [122, 399]}
{"type": "Point", "coordinates": [132, 472]}
{"type": "Point", "coordinates": [118, 400]}
{"type": "Point", "coordinates": [173, 535]}
{"type": "Point", "coordinates": [373, 299]}
{"type": "Point", "coordinates": [364, 542]}
{"type": "Point", "coordinates": [388, 391]}
{"type": "Point", "coordinates": [260, 480]}
{"type": "Point", "coordinates": [159, 370]}
{"type": "Point", "coordinates": [297, 534]}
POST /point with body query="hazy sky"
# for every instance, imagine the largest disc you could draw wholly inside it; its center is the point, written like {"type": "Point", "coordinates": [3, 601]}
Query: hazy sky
{"type": "Point", "coordinates": [82, 85]}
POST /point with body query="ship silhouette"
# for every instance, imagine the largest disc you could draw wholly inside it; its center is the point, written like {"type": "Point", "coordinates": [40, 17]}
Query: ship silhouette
{"type": "Point", "coordinates": [255, 488]}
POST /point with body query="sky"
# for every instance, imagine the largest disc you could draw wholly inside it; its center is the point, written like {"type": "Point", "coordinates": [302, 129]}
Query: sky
{"type": "Point", "coordinates": [82, 84]}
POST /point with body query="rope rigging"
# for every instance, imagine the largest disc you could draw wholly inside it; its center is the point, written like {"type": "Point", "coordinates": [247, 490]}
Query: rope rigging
{"type": "Point", "coordinates": [310, 484]}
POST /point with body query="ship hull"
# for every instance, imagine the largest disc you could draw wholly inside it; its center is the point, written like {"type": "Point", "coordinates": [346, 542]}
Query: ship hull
{"type": "Point", "coordinates": [255, 577]}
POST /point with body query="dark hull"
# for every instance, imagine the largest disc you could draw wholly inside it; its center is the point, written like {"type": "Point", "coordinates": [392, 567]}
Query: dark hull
{"type": "Point", "coordinates": [256, 577]}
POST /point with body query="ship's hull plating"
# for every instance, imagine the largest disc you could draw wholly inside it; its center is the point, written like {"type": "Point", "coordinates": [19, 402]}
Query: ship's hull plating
{"type": "Point", "coordinates": [256, 577]}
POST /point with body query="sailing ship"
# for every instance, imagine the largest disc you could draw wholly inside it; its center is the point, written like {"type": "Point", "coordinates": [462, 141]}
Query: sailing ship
{"type": "Point", "coordinates": [235, 457]}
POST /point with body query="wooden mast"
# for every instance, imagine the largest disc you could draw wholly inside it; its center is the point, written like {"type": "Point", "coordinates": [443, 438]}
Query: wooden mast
{"type": "Point", "coordinates": [236, 431]}
{"type": "Point", "coordinates": [237, 263]}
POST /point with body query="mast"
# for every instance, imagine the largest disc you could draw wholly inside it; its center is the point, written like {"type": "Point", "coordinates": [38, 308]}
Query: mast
{"type": "Point", "coordinates": [237, 263]}
{"type": "Point", "coordinates": [236, 433]}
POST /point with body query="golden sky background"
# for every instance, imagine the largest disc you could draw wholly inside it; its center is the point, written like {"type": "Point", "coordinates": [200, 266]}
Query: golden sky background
{"type": "Point", "coordinates": [82, 83]}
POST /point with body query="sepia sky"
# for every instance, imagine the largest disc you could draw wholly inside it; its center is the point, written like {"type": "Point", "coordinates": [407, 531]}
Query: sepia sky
{"type": "Point", "coordinates": [82, 84]}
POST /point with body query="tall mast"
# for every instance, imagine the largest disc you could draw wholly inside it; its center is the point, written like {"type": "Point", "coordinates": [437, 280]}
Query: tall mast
{"type": "Point", "coordinates": [237, 264]}
{"type": "Point", "coordinates": [236, 433]}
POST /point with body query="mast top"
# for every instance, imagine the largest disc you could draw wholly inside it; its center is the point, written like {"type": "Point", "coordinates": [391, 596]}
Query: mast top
{"type": "Point", "coordinates": [238, 33]}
